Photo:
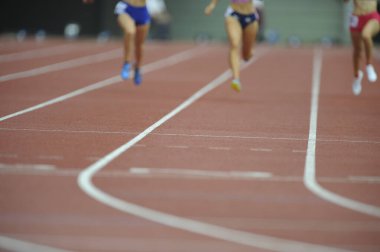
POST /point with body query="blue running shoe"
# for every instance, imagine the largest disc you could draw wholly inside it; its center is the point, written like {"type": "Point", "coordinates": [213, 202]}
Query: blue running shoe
{"type": "Point", "coordinates": [125, 71]}
{"type": "Point", "coordinates": [138, 78]}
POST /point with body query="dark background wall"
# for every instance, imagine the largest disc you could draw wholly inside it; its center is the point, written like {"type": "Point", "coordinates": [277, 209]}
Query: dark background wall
{"type": "Point", "coordinates": [310, 19]}
{"type": "Point", "coordinates": [53, 15]}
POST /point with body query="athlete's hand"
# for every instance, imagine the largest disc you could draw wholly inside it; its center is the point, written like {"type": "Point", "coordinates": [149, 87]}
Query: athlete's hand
{"type": "Point", "coordinates": [209, 9]}
{"type": "Point", "coordinates": [88, 1]}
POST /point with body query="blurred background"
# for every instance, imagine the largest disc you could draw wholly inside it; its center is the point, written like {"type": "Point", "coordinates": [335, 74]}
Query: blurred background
{"type": "Point", "coordinates": [283, 21]}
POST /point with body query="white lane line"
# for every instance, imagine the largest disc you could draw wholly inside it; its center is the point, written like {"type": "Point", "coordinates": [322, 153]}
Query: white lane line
{"type": "Point", "coordinates": [260, 149]}
{"type": "Point", "coordinates": [219, 148]}
{"type": "Point", "coordinates": [267, 138]}
{"type": "Point", "coordinates": [73, 94]}
{"type": "Point", "coordinates": [299, 151]}
{"type": "Point", "coordinates": [192, 135]}
{"type": "Point", "coordinates": [200, 173]}
{"type": "Point", "coordinates": [91, 59]}
{"type": "Point", "coordinates": [169, 61]}
{"type": "Point", "coordinates": [178, 147]}
{"type": "Point", "coordinates": [349, 141]}
{"type": "Point", "coordinates": [11, 244]}
{"type": "Point", "coordinates": [37, 53]}
{"type": "Point", "coordinates": [368, 179]}
{"type": "Point", "coordinates": [50, 157]}
{"type": "Point", "coordinates": [209, 230]}
{"type": "Point", "coordinates": [64, 172]}
{"type": "Point", "coordinates": [37, 167]}
{"type": "Point", "coordinates": [122, 173]}
{"type": "Point", "coordinates": [310, 180]}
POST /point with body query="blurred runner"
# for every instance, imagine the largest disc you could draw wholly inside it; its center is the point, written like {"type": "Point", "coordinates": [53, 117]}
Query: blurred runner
{"type": "Point", "coordinates": [242, 26]}
{"type": "Point", "coordinates": [364, 25]}
{"type": "Point", "coordinates": [134, 20]}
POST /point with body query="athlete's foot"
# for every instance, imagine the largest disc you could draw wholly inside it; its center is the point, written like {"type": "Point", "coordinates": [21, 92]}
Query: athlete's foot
{"type": "Point", "coordinates": [371, 73]}
{"type": "Point", "coordinates": [125, 71]}
{"type": "Point", "coordinates": [357, 84]}
{"type": "Point", "coordinates": [138, 77]}
{"type": "Point", "coordinates": [236, 85]}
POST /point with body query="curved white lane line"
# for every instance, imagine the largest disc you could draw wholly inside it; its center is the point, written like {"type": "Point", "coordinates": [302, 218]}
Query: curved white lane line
{"type": "Point", "coordinates": [11, 244]}
{"type": "Point", "coordinates": [310, 180]}
{"type": "Point", "coordinates": [197, 227]}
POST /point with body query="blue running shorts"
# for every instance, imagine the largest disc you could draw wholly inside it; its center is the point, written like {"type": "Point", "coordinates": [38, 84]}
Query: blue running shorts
{"type": "Point", "coordinates": [244, 20]}
{"type": "Point", "coordinates": [139, 14]}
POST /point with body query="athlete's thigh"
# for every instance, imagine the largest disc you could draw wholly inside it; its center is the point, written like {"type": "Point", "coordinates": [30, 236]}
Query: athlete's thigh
{"type": "Point", "coordinates": [249, 35]}
{"type": "Point", "coordinates": [371, 28]}
{"type": "Point", "coordinates": [234, 31]}
{"type": "Point", "coordinates": [126, 23]}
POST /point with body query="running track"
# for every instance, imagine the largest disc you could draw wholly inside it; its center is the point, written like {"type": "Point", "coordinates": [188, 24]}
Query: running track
{"type": "Point", "coordinates": [182, 163]}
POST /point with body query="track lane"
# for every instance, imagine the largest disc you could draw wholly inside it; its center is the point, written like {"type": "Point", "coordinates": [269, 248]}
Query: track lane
{"type": "Point", "coordinates": [353, 118]}
{"type": "Point", "coordinates": [58, 83]}
{"type": "Point", "coordinates": [165, 84]}
{"type": "Point", "coordinates": [101, 94]}
{"type": "Point", "coordinates": [292, 90]}
{"type": "Point", "coordinates": [250, 239]}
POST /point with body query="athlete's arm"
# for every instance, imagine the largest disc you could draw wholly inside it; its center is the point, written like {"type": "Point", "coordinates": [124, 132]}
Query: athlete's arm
{"type": "Point", "coordinates": [209, 8]}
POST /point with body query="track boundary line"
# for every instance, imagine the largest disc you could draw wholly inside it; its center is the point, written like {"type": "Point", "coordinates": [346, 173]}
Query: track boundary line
{"type": "Point", "coordinates": [50, 170]}
{"type": "Point", "coordinates": [192, 135]}
{"type": "Point", "coordinates": [84, 181]}
{"type": "Point", "coordinates": [168, 61]}
{"type": "Point", "coordinates": [309, 178]}
{"type": "Point", "coordinates": [193, 173]}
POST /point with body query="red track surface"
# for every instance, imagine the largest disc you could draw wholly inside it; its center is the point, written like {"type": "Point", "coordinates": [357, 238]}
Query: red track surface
{"type": "Point", "coordinates": [265, 128]}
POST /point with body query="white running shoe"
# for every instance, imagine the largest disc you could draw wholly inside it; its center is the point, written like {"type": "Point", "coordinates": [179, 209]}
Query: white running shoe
{"type": "Point", "coordinates": [371, 73]}
{"type": "Point", "coordinates": [357, 84]}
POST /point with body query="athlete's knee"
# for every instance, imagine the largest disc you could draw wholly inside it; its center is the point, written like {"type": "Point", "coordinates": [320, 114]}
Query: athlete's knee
{"type": "Point", "coordinates": [129, 31]}
{"type": "Point", "coordinates": [234, 46]}
{"type": "Point", "coordinates": [234, 43]}
{"type": "Point", "coordinates": [234, 50]}
{"type": "Point", "coordinates": [366, 35]}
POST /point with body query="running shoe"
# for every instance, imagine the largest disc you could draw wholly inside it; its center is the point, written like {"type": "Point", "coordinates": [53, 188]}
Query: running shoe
{"type": "Point", "coordinates": [125, 71]}
{"type": "Point", "coordinates": [138, 77]}
{"type": "Point", "coordinates": [371, 73]}
{"type": "Point", "coordinates": [236, 85]}
{"type": "Point", "coordinates": [357, 84]}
